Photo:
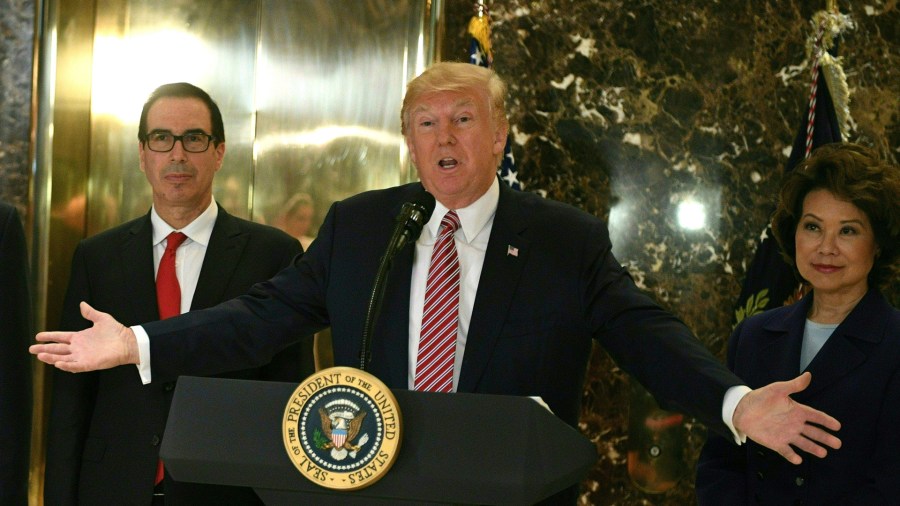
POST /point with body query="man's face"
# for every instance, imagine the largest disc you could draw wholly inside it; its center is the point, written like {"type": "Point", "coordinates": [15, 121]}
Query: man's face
{"type": "Point", "coordinates": [180, 179]}
{"type": "Point", "coordinates": [455, 144]}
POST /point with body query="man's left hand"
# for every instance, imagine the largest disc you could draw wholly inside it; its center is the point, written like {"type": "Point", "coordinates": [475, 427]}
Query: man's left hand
{"type": "Point", "coordinates": [770, 417]}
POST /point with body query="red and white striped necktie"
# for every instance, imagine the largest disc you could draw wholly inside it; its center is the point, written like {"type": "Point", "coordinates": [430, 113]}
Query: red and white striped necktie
{"type": "Point", "coordinates": [440, 317]}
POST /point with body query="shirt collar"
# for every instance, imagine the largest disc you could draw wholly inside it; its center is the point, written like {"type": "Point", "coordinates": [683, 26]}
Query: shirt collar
{"type": "Point", "coordinates": [198, 231]}
{"type": "Point", "coordinates": [473, 217]}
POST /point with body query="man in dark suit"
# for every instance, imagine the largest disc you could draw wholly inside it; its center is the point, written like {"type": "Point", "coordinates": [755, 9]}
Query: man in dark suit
{"type": "Point", "coordinates": [106, 427]}
{"type": "Point", "coordinates": [15, 366]}
{"type": "Point", "coordinates": [537, 280]}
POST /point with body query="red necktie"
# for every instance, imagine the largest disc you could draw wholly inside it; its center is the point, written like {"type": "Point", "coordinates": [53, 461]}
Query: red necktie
{"type": "Point", "coordinates": [168, 296]}
{"type": "Point", "coordinates": [168, 291]}
{"type": "Point", "coordinates": [440, 317]}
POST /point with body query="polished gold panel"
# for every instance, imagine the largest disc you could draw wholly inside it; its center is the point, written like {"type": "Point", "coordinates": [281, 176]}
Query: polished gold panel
{"type": "Point", "coordinates": [330, 83]}
{"type": "Point", "coordinates": [61, 157]}
{"type": "Point", "coordinates": [139, 46]}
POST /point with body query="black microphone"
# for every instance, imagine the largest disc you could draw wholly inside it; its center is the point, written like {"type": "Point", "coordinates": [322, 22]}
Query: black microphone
{"type": "Point", "coordinates": [414, 214]}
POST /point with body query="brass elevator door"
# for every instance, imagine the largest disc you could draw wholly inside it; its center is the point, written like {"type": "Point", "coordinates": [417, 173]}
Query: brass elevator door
{"type": "Point", "coordinates": [310, 92]}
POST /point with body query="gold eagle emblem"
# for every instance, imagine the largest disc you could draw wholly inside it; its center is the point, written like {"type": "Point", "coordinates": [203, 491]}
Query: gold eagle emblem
{"type": "Point", "coordinates": [352, 426]}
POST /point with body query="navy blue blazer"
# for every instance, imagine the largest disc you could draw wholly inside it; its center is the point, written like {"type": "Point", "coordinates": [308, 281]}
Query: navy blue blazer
{"type": "Point", "coordinates": [105, 427]}
{"type": "Point", "coordinates": [855, 378]}
{"type": "Point", "coordinates": [534, 318]}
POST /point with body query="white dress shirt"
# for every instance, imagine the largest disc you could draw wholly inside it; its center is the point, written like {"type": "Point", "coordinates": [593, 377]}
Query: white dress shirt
{"type": "Point", "coordinates": [471, 239]}
{"type": "Point", "coordinates": [188, 261]}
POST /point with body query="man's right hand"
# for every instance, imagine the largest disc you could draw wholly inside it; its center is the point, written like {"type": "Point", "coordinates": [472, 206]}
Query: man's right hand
{"type": "Point", "coordinates": [104, 345]}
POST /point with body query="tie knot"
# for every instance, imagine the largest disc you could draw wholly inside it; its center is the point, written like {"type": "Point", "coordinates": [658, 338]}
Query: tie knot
{"type": "Point", "coordinates": [174, 240]}
{"type": "Point", "coordinates": [450, 221]}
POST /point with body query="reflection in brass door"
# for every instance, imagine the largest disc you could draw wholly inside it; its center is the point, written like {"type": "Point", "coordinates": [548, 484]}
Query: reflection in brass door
{"type": "Point", "coordinates": [310, 91]}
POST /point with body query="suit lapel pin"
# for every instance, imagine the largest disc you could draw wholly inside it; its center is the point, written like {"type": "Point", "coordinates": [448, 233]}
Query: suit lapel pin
{"type": "Point", "coordinates": [512, 251]}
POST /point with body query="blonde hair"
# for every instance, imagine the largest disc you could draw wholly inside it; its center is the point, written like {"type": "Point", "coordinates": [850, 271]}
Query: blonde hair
{"type": "Point", "coordinates": [456, 76]}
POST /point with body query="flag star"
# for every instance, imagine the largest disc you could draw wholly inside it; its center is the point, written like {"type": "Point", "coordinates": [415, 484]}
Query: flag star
{"type": "Point", "coordinates": [477, 57]}
{"type": "Point", "coordinates": [510, 179]}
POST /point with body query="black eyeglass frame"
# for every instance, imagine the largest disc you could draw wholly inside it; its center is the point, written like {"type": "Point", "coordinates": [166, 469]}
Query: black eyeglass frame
{"type": "Point", "coordinates": [180, 138]}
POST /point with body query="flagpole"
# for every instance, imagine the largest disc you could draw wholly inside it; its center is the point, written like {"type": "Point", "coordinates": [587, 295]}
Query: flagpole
{"type": "Point", "coordinates": [831, 5]}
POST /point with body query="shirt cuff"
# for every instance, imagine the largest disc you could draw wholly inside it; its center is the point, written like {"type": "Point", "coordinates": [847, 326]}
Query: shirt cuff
{"type": "Point", "coordinates": [732, 397]}
{"type": "Point", "coordinates": [143, 344]}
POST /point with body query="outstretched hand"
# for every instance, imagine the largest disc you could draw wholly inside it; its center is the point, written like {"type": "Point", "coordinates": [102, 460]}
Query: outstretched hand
{"type": "Point", "coordinates": [770, 417]}
{"type": "Point", "coordinates": [104, 345]}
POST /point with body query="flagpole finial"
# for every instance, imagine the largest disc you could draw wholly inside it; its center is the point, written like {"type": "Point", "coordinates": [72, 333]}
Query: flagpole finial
{"type": "Point", "coordinates": [482, 10]}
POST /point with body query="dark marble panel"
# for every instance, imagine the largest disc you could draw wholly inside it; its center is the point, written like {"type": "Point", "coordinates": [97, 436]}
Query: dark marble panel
{"type": "Point", "coordinates": [634, 111]}
{"type": "Point", "coordinates": [16, 48]}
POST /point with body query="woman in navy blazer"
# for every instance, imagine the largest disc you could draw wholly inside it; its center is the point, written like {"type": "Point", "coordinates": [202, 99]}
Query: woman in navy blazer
{"type": "Point", "coordinates": [837, 222]}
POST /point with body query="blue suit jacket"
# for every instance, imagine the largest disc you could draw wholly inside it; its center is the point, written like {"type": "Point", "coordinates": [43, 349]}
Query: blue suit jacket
{"type": "Point", "coordinates": [855, 378]}
{"type": "Point", "coordinates": [534, 317]}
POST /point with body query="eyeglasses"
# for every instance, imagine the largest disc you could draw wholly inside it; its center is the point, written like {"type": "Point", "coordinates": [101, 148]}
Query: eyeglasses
{"type": "Point", "coordinates": [163, 141]}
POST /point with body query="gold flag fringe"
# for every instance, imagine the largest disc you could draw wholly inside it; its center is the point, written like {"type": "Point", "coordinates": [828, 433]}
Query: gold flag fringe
{"type": "Point", "coordinates": [828, 25]}
{"type": "Point", "coordinates": [480, 30]}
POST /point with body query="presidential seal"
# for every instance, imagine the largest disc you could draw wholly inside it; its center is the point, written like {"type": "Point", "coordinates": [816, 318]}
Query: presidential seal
{"type": "Point", "coordinates": [342, 428]}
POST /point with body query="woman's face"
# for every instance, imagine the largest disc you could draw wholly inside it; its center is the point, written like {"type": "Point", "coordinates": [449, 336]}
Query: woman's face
{"type": "Point", "coordinates": [835, 245]}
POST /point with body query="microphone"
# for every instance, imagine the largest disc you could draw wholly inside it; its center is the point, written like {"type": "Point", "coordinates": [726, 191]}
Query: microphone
{"type": "Point", "coordinates": [414, 214]}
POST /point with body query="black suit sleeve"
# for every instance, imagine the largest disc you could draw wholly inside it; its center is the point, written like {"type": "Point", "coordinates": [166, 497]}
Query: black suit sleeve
{"type": "Point", "coordinates": [722, 467]}
{"type": "Point", "coordinates": [651, 344]}
{"type": "Point", "coordinates": [15, 362]}
{"type": "Point", "coordinates": [295, 362]}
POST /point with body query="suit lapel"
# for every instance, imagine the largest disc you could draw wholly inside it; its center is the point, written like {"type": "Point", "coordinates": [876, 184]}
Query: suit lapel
{"type": "Point", "coordinates": [136, 264]}
{"type": "Point", "coordinates": [392, 332]}
{"type": "Point", "coordinates": [841, 354]}
{"type": "Point", "coordinates": [393, 326]}
{"type": "Point", "coordinates": [499, 277]}
{"type": "Point", "coordinates": [778, 359]}
{"type": "Point", "coordinates": [226, 244]}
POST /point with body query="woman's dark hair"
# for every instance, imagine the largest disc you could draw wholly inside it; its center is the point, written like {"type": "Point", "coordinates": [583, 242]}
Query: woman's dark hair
{"type": "Point", "coordinates": [853, 173]}
{"type": "Point", "coordinates": [184, 90]}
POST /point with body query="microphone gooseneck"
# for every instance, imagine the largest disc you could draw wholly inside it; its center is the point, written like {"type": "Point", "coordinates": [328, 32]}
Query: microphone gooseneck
{"type": "Point", "coordinates": [413, 216]}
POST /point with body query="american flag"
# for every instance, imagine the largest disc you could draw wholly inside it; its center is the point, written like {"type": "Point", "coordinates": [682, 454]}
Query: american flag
{"type": "Point", "coordinates": [770, 282]}
{"type": "Point", "coordinates": [480, 54]}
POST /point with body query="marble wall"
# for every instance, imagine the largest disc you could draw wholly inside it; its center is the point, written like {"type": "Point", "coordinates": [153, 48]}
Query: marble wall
{"type": "Point", "coordinates": [628, 109]}
{"type": "Point", "coordinates": [16, 48]}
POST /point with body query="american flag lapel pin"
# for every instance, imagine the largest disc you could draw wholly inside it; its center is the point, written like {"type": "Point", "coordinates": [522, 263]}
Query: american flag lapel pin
{"type": "Point", "coordinates": [512, 251]}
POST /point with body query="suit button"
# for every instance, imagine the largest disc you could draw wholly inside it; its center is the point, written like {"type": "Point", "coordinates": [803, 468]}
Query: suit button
{"type": "Point", "coordinates": [168, 387]}
{"type": "Point", "coordinates": [799, 481]}
{"type": "Point", "coordinates": [155, 440]}
{"type": "Point", "coordinates": [760, 476]}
